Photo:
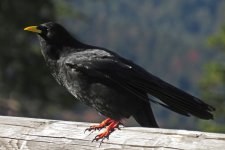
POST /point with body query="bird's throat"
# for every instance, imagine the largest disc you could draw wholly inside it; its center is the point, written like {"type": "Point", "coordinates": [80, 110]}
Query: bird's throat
{"type": "Point", "coordinates": [49, 51]}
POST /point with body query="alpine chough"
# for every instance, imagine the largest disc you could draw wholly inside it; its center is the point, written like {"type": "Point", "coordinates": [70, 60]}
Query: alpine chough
{"type": "Point", "coordinates": [114, 86]}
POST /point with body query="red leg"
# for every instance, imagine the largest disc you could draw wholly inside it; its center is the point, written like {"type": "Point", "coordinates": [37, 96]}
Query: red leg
{"type": "Point", "coordinates": [101, 125]}
{"type": "Point", "coordinates": [109, 129]}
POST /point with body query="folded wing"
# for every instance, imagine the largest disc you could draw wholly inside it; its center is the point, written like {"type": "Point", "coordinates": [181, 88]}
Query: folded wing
{"type": "Point", "coordinates": [117, 71]}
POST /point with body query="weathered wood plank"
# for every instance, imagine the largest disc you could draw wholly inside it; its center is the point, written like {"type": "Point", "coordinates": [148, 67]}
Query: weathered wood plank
{"type": "Point", "coordinates": [33, 134]}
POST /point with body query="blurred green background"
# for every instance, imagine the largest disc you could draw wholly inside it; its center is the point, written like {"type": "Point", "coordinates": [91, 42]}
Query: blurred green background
{"type": "Point", "coordinates": [182, 42]}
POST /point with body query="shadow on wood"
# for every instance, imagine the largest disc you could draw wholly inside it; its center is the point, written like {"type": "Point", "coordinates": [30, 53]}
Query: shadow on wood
{"type": "Point", "coordinates": [27, 133]}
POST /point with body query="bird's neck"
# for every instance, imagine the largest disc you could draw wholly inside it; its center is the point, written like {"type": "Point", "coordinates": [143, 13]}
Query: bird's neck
{"type": "Point", "coordinates": [52, 50]}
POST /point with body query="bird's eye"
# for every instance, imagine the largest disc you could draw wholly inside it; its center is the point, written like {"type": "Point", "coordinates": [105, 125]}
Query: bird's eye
{"type": "Point", "coordinates": [43, 29]}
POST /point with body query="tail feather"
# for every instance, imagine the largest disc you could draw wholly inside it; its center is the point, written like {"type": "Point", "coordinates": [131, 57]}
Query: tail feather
{"type": "Point", "coordinates": [182, 102]}
{"type": "Point", "coordinates": [145, 116]}
{"type": "Point", "coordinates": [173, 98]}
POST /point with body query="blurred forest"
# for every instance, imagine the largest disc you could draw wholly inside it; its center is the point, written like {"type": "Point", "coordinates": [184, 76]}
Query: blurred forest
{"type": "Point", "coordinates": [213, 83]}
{"type": "Point", "coordinates": [180, 41]}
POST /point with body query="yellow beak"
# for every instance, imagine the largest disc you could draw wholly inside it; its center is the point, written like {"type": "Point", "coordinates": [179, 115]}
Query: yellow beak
{"type": "Point", "coordinates": [33, 29]}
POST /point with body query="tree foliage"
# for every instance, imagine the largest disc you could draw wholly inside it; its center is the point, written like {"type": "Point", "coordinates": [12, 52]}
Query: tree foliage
{"type": "Point", "coordinates": [26, 87]}
{"type": "Point", "coordinates": [213, 85]}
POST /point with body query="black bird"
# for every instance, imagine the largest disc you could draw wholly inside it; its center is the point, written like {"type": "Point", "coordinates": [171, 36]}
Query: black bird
{"type": "Point", "coordinates": [114, 86]}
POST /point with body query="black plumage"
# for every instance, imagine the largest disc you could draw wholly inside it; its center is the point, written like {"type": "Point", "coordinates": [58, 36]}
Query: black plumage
{"type": "Point", "coordinates": [114, 86]}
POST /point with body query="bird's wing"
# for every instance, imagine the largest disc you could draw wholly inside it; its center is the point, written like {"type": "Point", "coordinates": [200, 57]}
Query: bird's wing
{"type": "Point", "coordinates": [115, 70]}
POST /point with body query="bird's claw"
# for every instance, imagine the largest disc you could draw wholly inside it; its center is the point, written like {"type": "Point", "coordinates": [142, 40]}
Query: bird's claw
{"type": "Point", "coordinates": [93, 128]}
{"type": "Point", "coordinates": [110, 125]}
{"type": "Point", "coordinates": [109, 129]}
{"type": "Point", "coordinates": [104, 135]}
{"type": "Point", "coordinates": [102, 125]}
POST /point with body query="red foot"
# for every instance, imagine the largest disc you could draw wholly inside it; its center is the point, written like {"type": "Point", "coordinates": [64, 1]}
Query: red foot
{"type": "Point", "coordinates": [100, 126]}
{"type": "Point", "coordinates": [109, 129]}
{"type": "Point", "coordinates": [110, 125]}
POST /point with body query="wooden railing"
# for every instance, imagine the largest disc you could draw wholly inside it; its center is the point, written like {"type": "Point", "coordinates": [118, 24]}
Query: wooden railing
{"type": "Point", "coordinates": [33, 134]}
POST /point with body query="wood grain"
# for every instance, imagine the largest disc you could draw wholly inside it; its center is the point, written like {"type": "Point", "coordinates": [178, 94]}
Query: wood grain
{"type": "Point", "coordinates": [17, 133]}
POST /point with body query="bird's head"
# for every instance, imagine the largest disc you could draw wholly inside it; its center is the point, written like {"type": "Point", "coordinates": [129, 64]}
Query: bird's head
{"type": "Point", "coordinates": [52, 33]}
{"type": "Point", "coordinates": [54, 39]}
